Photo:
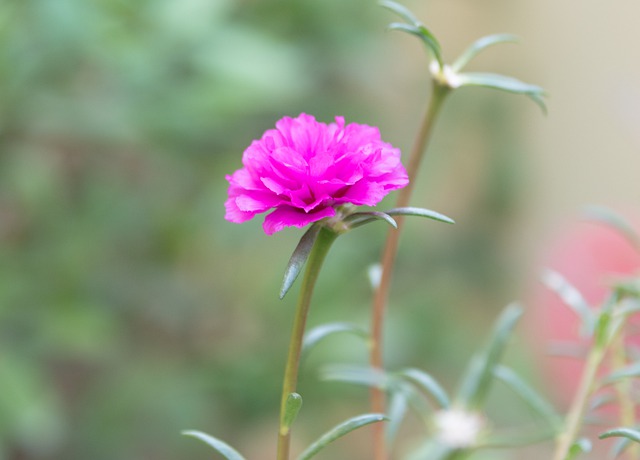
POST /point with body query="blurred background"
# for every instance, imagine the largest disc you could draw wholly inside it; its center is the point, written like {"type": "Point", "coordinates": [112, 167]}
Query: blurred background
{"type": "Point", "coordinates": [131, 310]}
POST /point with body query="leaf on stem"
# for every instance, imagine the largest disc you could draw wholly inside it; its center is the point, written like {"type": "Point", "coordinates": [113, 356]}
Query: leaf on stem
{"type": "Point", "coordinates": [480, 45]}
{"type": "Point", "coordinates": [338, 431]}
{"type": "Point", "coordinates": [221, 447]}
{"type": "Point", "coordinates": [415, 27]}
{"type": "Point", "coordinates": [428, 384]}
{"type": "Point", "coordinates": [319, 333]}
{"type": "Point", "coordinates": [572, 298]}
{"type": "Point", "coordinates": [614, 220]}
{"type": "Point", "coordinates": [397, 410]}
{"type": "Point", "coordinates": [477, 382]}
{"type": "Point", "coordinates": [503, 83]}
{"type": "Point", "coordinates": [358, 375]}
{"type": "Point", "coordinates": [529, 396]}
{"type": "Point", "coordinates": [633, 435]}
{"type": "Point", "coordinates": [299, 257]}
{"type": "Point", "coordinates": [581, 446]}
{"type": "Point", "coordinates": [420, 212]}
{"type": "Point", "coordinates": [291, 408]}
{"type": "Point", "coordinates": [360, 218]}
{"type": "Point", "coordinates": [632, 370]}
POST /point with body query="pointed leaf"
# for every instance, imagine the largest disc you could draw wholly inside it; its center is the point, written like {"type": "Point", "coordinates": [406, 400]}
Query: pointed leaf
{"type": "Point", "coordinates": [529, 396]}
{"type": "Point", "coordinates": [400, 10]}
{"type": "Point", "coordinates": [360, 218]}
{"type": "Point", "coordinates": [614, 220]}
{"type": "Point", "coordinates": [628, 433]}
{"type": "Point", "coordinates": [356, 375]}
{"type": "Point", "coordinates": [620, 445]}
{"type": "Point", "coordinates": [420, 212]}
{"type": "Point", "coordinates": [319, 333]}
{"type": "Point", "coordinates": [299, 257]}
{"type": "Point", "coordinates": [433, 47]}
{"type": "Point", "coordinates": [480, 45]}
{"type": "Point", "coordinates": [582, 445]}
{"type": "Point", "coordinates": [475, 387]}
{"type": "Point", "coordinates": [632, 370]}
{"type": "Point", "coordinates": [396, 412]}
{"type": "Point", "coordinates": [503, 83]}
{"type": "Point", "coordinates": [572, 298]}
{"type": "Point", "coordinates": [339, 431]}
{"type": "Point", "coordinates": [291, 408]}
{"type": "Point", "coordinates": [428, 384]}
{"type": "Point", "coordinates": [221, 447]}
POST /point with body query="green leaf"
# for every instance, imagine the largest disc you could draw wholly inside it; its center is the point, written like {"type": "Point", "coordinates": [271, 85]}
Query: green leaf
{"type": "Point", "coordinates": [420, 212]}
{"type": "Point", "coordinates": [396, 412]}
{"type": "Point", "coordinates": [357, 375]}
{"type": "Point", "coordinates": [401, 11]}
{"type": "Point", "coordinates": [603, 332]}
{"type": "Point", "coordinates": [339, 431]}
{"type": "Point", "coordinates": [529, 396]}
{"type": "Point", "coordinates": [291, 408]}
{"type": "Point", "coordinates": [360, 218]}
{"type": "Point", "coordinates": [299, 257]}
{"type": "Point", "coordinates": [572, 298]}
{"type": "Point", "coordinates": [477, 382]}
{"type": "Point", "coordinates": [614, 220]}
{"type": "Point", "coordinates": [319, 333]}
{"type": "Point", "coordinates": [582, 445]}
{"type": "Point", "coordinates": [633, 435]}
{"type": "Point", "coordinates": [503, 83]}
{"type": "Point", "coordinates": [428, 384]}
{"type": "Point", "coordinates": [632, 370]}
{"type": "Point", "coordinates": [221, 447]}
{"type": "Point", "coordinates": [415, 27]}
{"type": "Point", "coordinates": [480, 45]}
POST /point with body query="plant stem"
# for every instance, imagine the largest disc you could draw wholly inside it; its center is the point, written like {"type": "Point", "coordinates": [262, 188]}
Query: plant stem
{"type": "Point", "coordinates": [388, 258]}
{"type": "Point", "coordinates": [578, 409]}
{"type": "Point", "coordinates": [320, 249]}
{"type": "Point", "coordinates": [626, 404]}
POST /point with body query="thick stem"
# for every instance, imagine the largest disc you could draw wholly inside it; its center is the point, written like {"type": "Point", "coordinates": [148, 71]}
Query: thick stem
{"type": "Point", "coordinates": [320, 249]}
{"type": "Point", "coordinates": [578, 409]}
{"type": "Point", "coordinates": [388, 258]}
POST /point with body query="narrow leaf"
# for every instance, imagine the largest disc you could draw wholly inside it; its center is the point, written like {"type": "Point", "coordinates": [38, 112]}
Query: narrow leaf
{"type": "Point", "coordinates": [400, 10]}
{"type": "Point", "coordinates": [504, 83]}
{"type": "Point", "coordinates": [477, 382]}
{"type": "Point", "coordinates": [299, 257]}
{"type": "Point", "coordinates": [396, 412]}
{"type": "Point", "coordinates": [632, 370]}
{"type": "Point", "coordinates": [628, 433]}
{"type": "Point", "coordinates": [529, 396]}
{"type": "Point", "coordinates": [423, 34]}
{"type": "Point", "coordinates": [319, 333]}
{"type": "Point", "coordinates": [222, 448]}
{"type": "Point", "coordinates": [582, 445]}
{"type": "Point", "coordinates": [572, 298]}
{"type": "Point", "coordinates": [478, 46]}
{"type": "Point", "coordinates": [356, 375]}
{"type": "Point", "coordinates": [291, 409]}
{"type": "Point", "coordinates": [360, 218]}
{"type": "Point", "coordinates": [420, 212]}
{"type": "Point", "coordinates": [339, 431]}
{"type": "Point", "coordinates": [614, 220]}
{"type": "Point", "coordinates": [620, 445]}
{"type": "Point", "coordinates": [428, 384]}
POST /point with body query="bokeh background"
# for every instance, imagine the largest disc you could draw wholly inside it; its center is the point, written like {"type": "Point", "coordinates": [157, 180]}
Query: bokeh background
{"type": "Point", "coordinates": [130, 309]}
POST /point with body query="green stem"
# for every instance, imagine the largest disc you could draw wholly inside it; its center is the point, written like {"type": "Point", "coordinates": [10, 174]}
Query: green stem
{"type": "Point", "coordinates": [623, 388]}
{"type": "Point", "coordinates": [578, 409]}
{"type": "Point", "coordinates": [320, 249]}
{"type": "Point", "coordinates": [388, 258]}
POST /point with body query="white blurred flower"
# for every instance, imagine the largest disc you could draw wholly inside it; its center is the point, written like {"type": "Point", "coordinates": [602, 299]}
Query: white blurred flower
{"type": "Point", "coordinates": [458, 428]}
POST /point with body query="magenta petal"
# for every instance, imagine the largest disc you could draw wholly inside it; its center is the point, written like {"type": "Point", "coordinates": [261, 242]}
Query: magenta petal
{"type": "Point", "coordinates": [292, 217]}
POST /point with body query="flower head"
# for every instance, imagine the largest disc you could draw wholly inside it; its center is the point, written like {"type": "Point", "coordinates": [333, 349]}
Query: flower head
{"type": "Point", "coordinates": [304, 169]}
{"type": "Point", "coordinates": [457, 428]}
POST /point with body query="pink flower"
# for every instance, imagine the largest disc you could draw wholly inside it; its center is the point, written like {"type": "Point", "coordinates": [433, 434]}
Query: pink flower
{"type": "Point", "coordinates": [304, 169]}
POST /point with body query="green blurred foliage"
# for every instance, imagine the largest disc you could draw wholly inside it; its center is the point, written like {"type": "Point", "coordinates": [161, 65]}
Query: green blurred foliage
{"type": "Point", "coordinates": [129, 309]}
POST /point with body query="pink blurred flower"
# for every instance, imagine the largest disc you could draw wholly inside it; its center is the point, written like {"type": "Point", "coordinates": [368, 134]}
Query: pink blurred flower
{"type": "Point", "coordinates": [304, 169]}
